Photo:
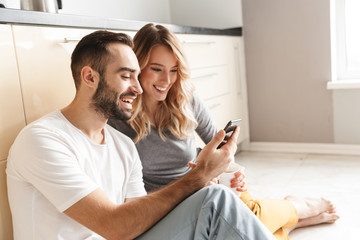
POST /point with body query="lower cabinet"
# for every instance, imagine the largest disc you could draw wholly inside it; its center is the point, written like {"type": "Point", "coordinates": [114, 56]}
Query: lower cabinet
{"type": "Point", "coordinates": [12, 118]}
{"type": "Point", "coordinates": [218, 75]}
{"type": "Point", "coordinates": [44, 67]}
{"type": "Point", "coordinates": [225, 108]}
{"type": "Point", "coordinates": [43, 53]}
{"type": "Point", "coordinates": [212, 82]}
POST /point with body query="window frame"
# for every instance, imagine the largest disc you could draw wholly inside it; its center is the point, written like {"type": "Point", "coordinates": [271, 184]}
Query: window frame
{"type": "Point", "coordinates": [341, 78]}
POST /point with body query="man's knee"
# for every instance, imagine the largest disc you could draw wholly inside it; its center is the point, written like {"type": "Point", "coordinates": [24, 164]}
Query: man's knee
{"type": "Point", "coordinates": [220, 196]}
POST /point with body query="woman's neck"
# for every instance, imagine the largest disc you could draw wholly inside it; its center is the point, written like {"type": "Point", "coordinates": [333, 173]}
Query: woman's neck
{"type": "Point", "coordinates": [151, 107]}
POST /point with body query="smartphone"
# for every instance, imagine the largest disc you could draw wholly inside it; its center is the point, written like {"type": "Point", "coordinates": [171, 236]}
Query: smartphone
{"type": "Point", "coordinates": [229, 129]}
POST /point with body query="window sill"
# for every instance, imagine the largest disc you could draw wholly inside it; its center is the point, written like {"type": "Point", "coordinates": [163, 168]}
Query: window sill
{"type": "Point", "coordinates": [344, 84]}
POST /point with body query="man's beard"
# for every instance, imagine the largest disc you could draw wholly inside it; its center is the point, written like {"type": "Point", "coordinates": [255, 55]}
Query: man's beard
{"type": "Point", "coordinates": [106, 101]}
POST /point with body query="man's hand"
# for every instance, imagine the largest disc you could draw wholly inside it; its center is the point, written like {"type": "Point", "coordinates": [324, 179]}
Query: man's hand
{"type": "Point", "coordinates": [238, 182]}
{"type": "Point", "coordinates": [211, 182]}
{"type": "Point", "coordinates": [211, 161]}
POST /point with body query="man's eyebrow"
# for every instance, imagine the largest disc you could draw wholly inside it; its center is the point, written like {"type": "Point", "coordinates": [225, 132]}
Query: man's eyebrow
{"type": "Point", "coordinates": [127, 69]}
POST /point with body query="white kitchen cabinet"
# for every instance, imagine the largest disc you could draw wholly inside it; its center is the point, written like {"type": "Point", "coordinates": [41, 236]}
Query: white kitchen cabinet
{"type": "Point", "coordinates": [241, 89]}
{"type": "Point", "coordinates": [217, 64]}
{"type": "Point", "coordinates": [211, 82]}
{"type": "Point", "coordinates": [44, 67]}
{"type": "Point", "coordinates": [220, 105]}
{"type": "Point", "coordinates": [44, 55]}
{"type": "Point", "coordinates": [206, 50]}
{"type": "Point", "coordinates": [11, 107]}
{"type": "Point", "coordinates": [12, 119]}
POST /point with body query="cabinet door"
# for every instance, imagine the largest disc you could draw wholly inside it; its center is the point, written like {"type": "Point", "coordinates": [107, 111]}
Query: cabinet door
{"type": "Point", "coordinates": [206, 50]}
{"type": "Point", "coordinates": [211, 82]}
{"type": "Point", "coordinates": [220, 109]}
{"type": "Point", "coordinates": [44, 55]}
{"type": "Point", "coordinates": [44, 67]}
{"type": "Point", "coordinates": [218, 74]}
{"type": "Point", "coordinates": [11, 108]}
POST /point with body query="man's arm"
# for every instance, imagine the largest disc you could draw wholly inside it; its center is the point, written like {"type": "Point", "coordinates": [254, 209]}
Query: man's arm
{"type": "Point", "coordinates": [131, 219]}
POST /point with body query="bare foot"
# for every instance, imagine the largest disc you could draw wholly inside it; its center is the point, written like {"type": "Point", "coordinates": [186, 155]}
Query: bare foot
{"type": "Point", "coordinates": [324, 217]}
{"type": "Point", "coordinates": [310, 207]}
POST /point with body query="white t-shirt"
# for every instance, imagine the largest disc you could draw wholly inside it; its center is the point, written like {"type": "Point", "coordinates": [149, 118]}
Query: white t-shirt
{"type": "Point", "coordinates": [52, 165]}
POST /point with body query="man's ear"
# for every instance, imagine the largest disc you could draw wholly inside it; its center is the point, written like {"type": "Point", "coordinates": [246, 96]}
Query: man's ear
{"type": "Point", "coordinates": [89, 77]}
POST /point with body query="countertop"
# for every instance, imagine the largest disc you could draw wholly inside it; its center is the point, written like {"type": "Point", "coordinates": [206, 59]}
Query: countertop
{"type": "Point", "coordinates": [15, 16]}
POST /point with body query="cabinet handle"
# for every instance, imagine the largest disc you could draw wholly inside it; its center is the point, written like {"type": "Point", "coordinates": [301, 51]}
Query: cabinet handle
{"type": "Point", "coordinates": [198, 42]}
{"type": "Point", "coordinates": [204, 75]}
{"type": "Point", "coordinates": [214, 105]}
{"type": "Point", "coordinates": [68, 40]}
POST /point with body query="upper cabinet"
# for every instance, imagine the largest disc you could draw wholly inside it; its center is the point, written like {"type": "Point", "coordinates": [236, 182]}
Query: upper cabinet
{"type": "Point", "coordinates": [11, 107]}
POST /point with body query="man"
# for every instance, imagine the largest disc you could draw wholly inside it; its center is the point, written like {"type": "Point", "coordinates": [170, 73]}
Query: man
{"type": "Point", "coordinates": [71, 176]}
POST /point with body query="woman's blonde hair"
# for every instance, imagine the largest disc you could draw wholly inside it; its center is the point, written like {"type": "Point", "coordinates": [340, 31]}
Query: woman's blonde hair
{"type": "Point", "coordinates": [175, 112]}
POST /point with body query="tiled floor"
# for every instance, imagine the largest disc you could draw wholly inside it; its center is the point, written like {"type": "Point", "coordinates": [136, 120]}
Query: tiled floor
{"type": "Point", "coordinates": [275, 175]}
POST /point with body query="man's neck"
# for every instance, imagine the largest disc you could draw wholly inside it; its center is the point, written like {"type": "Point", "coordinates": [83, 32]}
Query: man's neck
{"type": "Point", "coordinates": [85, 118]}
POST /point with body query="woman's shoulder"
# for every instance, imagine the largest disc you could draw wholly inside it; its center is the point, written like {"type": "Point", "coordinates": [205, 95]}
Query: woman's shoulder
{"type": "Point", "coordinates": [198, 105]}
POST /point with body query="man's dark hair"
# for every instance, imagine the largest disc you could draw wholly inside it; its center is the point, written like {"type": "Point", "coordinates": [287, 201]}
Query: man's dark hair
{"type": "Point", "coordinates": [92, 51]}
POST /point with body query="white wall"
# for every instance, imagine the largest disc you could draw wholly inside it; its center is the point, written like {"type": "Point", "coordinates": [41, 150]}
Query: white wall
{"type": "Point", "coordinates": [11, 3]}
{"type": "Point", "coordinates": [141, 10]}
{"type": "Point", "coordinates": [207, 13]}
{"type": "Point", "coordinates": [199, 13]}
{"type": "Point", "coordinates": [346, 116]}
{"type": "Point", "coordinates": [287, 50]}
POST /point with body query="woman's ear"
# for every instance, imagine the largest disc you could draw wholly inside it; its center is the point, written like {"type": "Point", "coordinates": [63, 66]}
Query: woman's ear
{"type": "Point", "coordinates": [89, 77]}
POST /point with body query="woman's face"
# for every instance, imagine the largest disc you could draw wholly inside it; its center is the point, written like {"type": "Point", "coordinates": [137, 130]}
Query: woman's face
{"type": "Point", "coordinates": [159, 74]}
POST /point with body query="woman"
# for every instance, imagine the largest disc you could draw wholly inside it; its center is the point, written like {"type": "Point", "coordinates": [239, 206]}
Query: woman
{"type": "Point", "coordinates": [165, 119]}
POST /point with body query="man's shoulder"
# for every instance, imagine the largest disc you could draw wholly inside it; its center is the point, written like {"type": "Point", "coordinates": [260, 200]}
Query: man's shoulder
{"type": "Point", "coordinates": [123, 127]}
{"type": "Point", "coordinates": [49, 125]}
{"type": "Point", "coordinates": [46, 122]}
{"type": "Point", "coordinates": [38, 135]}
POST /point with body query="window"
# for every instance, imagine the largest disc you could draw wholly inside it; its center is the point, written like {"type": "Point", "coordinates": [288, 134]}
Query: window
{"type": "Point", "coordinates": [345, 31]}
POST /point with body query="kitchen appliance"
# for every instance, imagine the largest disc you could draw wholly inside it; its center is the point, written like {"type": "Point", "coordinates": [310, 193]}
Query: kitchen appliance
{"type": "Point", "coordinates": [51, 6]}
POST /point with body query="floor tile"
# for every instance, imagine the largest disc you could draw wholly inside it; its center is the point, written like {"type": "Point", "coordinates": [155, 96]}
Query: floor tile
{"type": "Point", "coordinates": [336, 177]}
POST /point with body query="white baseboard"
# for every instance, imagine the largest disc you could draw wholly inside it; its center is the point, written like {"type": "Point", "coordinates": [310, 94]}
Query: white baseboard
{"type": "Point", "coordinates": [342, 149]}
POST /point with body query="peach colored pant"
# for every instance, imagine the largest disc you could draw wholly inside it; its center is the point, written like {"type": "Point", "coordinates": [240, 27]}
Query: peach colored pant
{"type": "Point", "coordinates": [276, 215]}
